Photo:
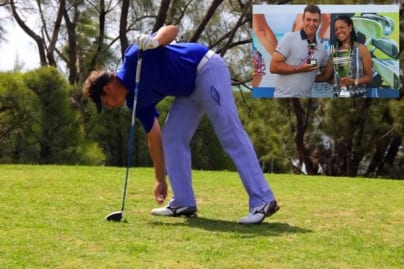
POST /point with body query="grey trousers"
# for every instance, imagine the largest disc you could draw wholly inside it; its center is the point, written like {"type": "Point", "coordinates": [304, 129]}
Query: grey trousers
{"type": "Point", "coordinates": [212, 95]}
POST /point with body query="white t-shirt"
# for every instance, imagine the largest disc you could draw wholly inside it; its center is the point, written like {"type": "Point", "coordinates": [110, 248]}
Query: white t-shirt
{"type": "Point", "coordinates": [294, 47]}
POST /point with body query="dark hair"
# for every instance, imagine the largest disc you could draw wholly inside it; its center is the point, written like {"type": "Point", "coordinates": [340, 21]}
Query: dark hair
{"type": "Point", "coordinates": [94, 86]}
{"type": "Point", "coordinates": [348, 21]}
{"type": "Point", "coordinates": [312, 9]}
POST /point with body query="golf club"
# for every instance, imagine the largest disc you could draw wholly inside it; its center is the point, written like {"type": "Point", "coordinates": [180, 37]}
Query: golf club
{"type": "Point", "coordinates": [387, 46]}
{"type": "Point", "coordinates": [118, 215]}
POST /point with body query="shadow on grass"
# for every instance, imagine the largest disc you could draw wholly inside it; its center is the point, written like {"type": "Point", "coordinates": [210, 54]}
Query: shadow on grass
{"type": "Point", "coordinates": [215, 225]}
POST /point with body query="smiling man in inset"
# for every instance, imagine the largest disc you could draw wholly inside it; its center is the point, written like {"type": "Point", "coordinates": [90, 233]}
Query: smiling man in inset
{"type": "Point", "coordinates": [298, 57]}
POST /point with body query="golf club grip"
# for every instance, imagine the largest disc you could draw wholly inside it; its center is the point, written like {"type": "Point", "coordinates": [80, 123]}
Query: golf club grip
{"type": "Point", "coordinates": [137, 80]}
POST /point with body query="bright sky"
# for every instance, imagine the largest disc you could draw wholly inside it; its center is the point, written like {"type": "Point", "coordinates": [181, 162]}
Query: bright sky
{"type": "Point", "coordinates": [18, 47]}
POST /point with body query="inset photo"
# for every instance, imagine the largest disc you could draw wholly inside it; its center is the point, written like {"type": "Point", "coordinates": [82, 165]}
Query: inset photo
{"type": "Point", "coordinates": [325, 51]}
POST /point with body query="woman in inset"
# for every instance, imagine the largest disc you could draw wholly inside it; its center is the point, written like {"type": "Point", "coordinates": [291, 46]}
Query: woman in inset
{"type": "Point", "coordinates": [360, 72]}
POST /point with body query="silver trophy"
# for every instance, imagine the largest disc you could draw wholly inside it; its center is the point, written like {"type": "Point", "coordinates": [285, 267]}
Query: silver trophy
{"type": "Point", "coordinates": [311, 49]}
{"type": "Point", "coordinates": [342, 67]}
{"type": "Point", "coordinates": [309, 59]}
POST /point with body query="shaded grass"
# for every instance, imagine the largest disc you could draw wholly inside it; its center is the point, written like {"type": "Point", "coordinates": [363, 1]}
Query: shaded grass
{"type": "Point", "coordinates": [52, 217]}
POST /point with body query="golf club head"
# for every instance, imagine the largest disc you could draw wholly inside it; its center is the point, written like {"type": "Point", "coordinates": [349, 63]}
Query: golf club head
{"type": "Point", "coordinates": [114, 216]}
{"type": "Point", "coordinates": [388, 46]}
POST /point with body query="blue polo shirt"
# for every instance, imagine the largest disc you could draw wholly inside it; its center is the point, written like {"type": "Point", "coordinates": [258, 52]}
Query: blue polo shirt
{"type": "Point", "coordinates": [166, 71]}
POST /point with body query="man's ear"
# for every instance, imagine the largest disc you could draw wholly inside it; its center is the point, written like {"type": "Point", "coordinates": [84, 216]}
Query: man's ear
{"type": "Point", "coordinates": [109, 87]}
{"type": "Point", "coordinates": [115, 86]}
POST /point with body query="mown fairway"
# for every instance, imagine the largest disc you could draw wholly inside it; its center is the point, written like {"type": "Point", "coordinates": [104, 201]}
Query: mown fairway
{"type": "Point", "coordinates": [53, 217]}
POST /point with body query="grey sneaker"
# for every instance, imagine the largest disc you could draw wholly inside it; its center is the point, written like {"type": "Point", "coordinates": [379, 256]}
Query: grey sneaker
{"type": "Point", "coordinates": [168, 211]}
{"type": "Point", "coordinates": [258, 214]}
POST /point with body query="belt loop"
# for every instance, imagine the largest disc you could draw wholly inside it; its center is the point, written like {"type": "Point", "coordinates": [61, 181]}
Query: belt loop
{"type": "Point", "coordinates": [209, 54]}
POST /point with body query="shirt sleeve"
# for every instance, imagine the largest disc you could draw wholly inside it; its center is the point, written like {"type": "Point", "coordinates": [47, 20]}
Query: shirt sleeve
{"type": "Point", "coordinates": [283, 46]}
{"type": "Point", "coordinates": [146, 116]}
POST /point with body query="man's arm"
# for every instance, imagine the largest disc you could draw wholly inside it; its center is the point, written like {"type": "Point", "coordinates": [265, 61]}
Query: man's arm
{"type": "Point", "coordinates": [279, 66]}
{"type": "Point", "coordinates": [166, 34]}
{"type": "Point", "coordinates": [367, 66]}
{"type": "Point", "coordinates": [157, 154]}
{"type": "Point", "coordinates": [264, 33]}
{"type": "Point", "coordinates": [326, 72]}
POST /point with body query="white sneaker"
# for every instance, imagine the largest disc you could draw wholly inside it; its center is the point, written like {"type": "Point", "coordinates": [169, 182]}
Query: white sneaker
{"type": "Point", "coordinates": [168, 211]}
{"type": "Point", "coordinates": [258, 214]}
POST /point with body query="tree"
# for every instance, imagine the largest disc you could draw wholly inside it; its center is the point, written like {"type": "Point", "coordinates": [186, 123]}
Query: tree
{"type": "Point", "coordinates": [37, 123]}
{"type": "Point", "coordinates": [268, 123]}
{"type": "Point", "coordinates": [2, 30]}
{"type": "Point", "coordinates": [303, 136]}
{"type": "Point", "coordinates": [46, 43]}
{"type": "Point", "coordinates": [387, 159]}
{"type": "Point", "coordinates": [18, 120]}
{"type": "Point", "coordinates": [57, 130]}
{"type": "Point", "coordinates": [339, 137]}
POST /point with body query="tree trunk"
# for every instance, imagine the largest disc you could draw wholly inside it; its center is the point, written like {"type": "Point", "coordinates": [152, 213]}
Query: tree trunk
{"type": "Point", "coordinates": [123, 24]}
{"type": "Point", "coordinates": [38, 40]}
{"type": "Point", "coordinates": [393, 150]}
{"type": "Point", "coordinates": [162, 15]}
{"type": "Point", "coordinates": [356, 150]}
{"type": "Point", "coordinates": [73, 62]}
{"type": "Point", "coordinates": [209, 14]}
{"type": "Point", "coordinates": [101, 35]}
{"type": "Point", "coordinates": [302, 151]}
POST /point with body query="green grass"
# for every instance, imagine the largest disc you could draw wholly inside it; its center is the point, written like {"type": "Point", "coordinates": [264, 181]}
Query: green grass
{"type": "Point", "coordinates": [53, 217]}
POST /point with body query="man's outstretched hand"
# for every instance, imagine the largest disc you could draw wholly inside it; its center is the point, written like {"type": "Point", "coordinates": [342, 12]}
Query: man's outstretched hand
{"type": "Point", "coordinates": [160, 191]}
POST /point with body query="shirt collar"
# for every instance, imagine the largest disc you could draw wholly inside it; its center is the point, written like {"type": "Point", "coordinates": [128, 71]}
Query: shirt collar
{"type": "Point", "coordinates": [304, 37]}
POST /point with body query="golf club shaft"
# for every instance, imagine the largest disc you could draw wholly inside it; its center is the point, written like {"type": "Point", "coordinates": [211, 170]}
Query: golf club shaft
{"type": "Point", "coordinates": [132, 126]}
